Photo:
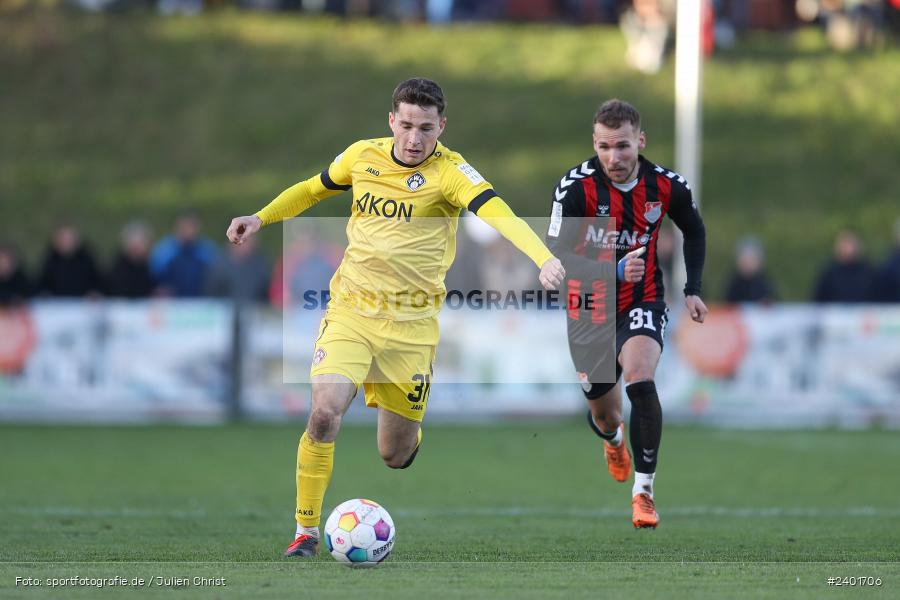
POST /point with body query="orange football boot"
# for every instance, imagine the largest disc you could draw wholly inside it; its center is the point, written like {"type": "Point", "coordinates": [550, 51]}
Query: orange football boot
{"type": "Point", "coordinates": [643, 511]}
{"type": "Point", "coordinates": [618, 460]}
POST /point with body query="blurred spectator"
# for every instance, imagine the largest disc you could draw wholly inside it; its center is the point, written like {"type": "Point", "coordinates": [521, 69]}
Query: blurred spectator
{"type": "Point", "coordinates": [69, 268]}
{"type": "Point", "coordinates": [749, 283]}
{"type": "Point", "coordinates": [464, 274]}
{"type": "Point", "coordinates": [849, 276]}
{"type": "Point", "coordinates": [849, 24]}
{"type": "Point", "coordinates": [438, 12]}
{"type": "Point", "coordinates": [240, 273]}
{"type": "Point", "coordinates": [888, 287]}
{"type": "Point", "coordinates": [308, 265]}
{"type": "Point", "coordinates": [14, 284]}
{"type": "Point", "coordinates": [130, 275]}
{"type": "Point", "coordinates": [646, 26]}
{"type": "Point", "coordinates": [179, 262]}
{"type": "Point", "coordinates": [180, 7]}
{"type": "Point", "coordinates": [892, 17]}
{"type": "Point", "coordinates": [505, 269]}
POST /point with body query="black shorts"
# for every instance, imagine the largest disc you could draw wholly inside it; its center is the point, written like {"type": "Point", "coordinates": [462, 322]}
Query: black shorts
{"type": "Point", "coordinates": [644, 318]}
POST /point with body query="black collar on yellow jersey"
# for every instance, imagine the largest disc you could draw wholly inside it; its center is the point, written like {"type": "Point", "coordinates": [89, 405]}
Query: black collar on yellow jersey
{"type": "Point", "coordinates": [408, 166]}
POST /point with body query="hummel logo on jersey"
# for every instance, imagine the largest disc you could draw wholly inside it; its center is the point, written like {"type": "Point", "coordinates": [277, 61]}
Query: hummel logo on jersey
{"type": "Point", "coordinates": [374, 172]}
{"type": "Point", "coordinates": [571, 177]}
{"type": "Point", "coordinates": [604, 210]}
{"type": "Point", "coordinates": [381, 207]}
{"type": "Point", "coordinates": [415, 181]}
{"type": "Point", "coordinates": [673, 175]}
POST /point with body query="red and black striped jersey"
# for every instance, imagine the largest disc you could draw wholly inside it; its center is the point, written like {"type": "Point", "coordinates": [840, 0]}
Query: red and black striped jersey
{"type": "Point", "coordinates": [623, 218]}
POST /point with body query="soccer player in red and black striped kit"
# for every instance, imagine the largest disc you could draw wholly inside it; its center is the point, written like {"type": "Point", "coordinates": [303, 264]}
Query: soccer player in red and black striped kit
{"type": "Point", "coordinates": [621, 184]}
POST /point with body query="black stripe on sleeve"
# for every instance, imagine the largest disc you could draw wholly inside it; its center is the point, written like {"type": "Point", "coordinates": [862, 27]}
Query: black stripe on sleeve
{"type": "Point", "coordinates": [481, 199]}
{"type": "Point", "coordinates": [328, 182]}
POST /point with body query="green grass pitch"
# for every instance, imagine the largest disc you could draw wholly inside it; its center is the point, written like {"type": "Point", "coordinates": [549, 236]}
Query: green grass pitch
{"type": "Point", "coordinates": [515, 511]}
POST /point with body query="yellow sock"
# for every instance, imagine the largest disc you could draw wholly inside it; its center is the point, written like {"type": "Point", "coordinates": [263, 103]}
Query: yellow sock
{"type": "Point", "coordinates": [315, 461]}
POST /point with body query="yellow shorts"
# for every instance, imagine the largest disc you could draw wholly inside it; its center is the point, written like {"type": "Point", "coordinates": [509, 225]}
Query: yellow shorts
{"type": "Point", "coordinates": [391, 359]}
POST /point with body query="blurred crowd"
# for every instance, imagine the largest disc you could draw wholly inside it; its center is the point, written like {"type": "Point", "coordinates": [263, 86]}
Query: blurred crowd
{"type": "Point", "coordinates": [848, 277]}
{"type": "Point", "coordinates": [647, 25]}
{"type": "Point", "coordinates": [849, 23]}
{"type": "Point", "coordinates": [184, 264]}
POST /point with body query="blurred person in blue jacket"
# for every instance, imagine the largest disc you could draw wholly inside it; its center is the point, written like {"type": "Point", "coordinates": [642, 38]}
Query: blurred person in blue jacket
{"type": "Point", "coordinates": [179, 262]}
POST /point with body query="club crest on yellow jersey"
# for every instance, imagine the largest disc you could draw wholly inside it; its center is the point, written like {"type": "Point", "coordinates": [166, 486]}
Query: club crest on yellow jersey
{"type": "Point", "coordinates": [415, 181]}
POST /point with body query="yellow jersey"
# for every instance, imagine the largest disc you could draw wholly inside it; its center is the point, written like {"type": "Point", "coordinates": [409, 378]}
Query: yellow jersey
{"type": "Point", "coordinates": [402, 229]}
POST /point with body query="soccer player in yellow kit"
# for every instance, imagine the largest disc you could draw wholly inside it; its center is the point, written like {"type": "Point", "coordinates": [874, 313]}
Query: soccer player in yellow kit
{"type": "Point", "coordinates": [380, 329]}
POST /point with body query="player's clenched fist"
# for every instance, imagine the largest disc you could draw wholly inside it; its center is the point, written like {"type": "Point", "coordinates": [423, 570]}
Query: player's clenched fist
{"type": "Point", "coordinates": [696, 308]}
{"type": "Point", "coordinates": [631, 267]}
{"type": "Point", "coordinates": [242, 228]}
{"type": "Point", "coordinates": [552, 274]}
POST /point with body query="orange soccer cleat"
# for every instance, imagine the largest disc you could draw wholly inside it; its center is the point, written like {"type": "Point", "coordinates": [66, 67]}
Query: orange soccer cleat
{"type": "Point", "coordinates": [643, 511]}
{"type": "Point", "coordinates": [618, 460]}
{"type": "Point", "coordinates": [305, 545]}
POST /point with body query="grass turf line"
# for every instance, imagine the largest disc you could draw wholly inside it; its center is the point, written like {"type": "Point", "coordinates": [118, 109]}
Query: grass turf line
{"type": "Point", "coordinates": [485, 510]}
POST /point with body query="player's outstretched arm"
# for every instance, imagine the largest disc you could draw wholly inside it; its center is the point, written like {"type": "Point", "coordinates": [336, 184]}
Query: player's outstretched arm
{"type": "Point", "coordinates": [242, 228]}
{"type": "Point", "coordinates": [299, 197]}
{"type": "Point", "coordinates": [496, 213]}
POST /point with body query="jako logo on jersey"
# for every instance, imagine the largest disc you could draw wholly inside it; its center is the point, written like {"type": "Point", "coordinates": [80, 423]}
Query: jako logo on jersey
{"type": "Point", "coordinates": [599, 237]}
{"type": "Point", "coordinates": [374, 172]}
{"type": "Point", "coordinates": [653, 211]}
{"type": "Point", "coordinates": [389, 209]}
{"type": "Point", "coordinates": [415, 181]}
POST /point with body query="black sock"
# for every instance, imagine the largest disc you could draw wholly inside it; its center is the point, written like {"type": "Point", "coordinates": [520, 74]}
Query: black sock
{"type": "Point", "coordinates": [646, 425]}
{"type": "Point", "coordinates": [606, 436]}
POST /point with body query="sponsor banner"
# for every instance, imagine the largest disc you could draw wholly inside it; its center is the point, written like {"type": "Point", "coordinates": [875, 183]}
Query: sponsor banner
{"type": "Point", "coordinates": [104, 361]}
{"type": "Point", "coordinates": [785, 366]}
{"type": "Point", "coordinates": [107, 361]}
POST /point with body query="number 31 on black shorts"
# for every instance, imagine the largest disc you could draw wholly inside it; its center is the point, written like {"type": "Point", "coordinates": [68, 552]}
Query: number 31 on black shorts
{"type": "Point", "coordinates": [645, 318]}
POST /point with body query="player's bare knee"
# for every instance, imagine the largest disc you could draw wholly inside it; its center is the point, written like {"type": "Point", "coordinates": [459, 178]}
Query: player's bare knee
{"type": "Point", "coordinates": [324, 423]}
{"type": "Point", "coordinates": [639, 372]}
{"type": "Point", "coordinates": [609, 421]}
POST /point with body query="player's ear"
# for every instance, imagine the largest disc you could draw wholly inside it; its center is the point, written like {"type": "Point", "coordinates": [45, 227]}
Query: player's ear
{"type": "Point", "coordinates": [441, 124]}
{"type": "Point", "coordinates": [642, 141]}
{"type": "Point", "coordinates": [391, 119]}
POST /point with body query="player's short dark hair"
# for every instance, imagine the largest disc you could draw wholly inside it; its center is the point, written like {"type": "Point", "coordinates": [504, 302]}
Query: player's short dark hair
{"type": "Point", "coordinates": [421, 92]}
{"type": "Point", "coordinates": [613, 113]}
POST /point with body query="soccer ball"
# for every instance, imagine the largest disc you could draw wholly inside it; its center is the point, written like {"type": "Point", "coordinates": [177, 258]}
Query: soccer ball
{"type": "Point", "coordinates": [359, 533]}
